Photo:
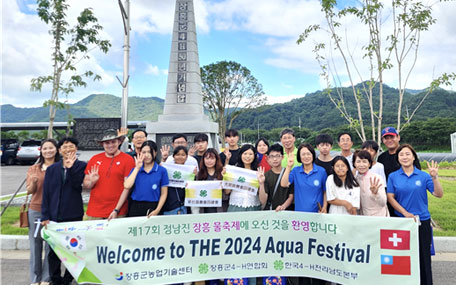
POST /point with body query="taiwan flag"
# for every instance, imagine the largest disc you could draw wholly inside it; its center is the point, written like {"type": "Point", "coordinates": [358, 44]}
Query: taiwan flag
{"type": "Point", "coordinates": [395, 239]}
{"type": "Point", "coordinates": [395, 265]}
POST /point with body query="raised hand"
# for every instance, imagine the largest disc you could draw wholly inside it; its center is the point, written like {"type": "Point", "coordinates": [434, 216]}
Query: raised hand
{"type": "Point", "coordinates": [122, 131]}
{"type": "Point", "coordinates": [139, 160]}
{"type": "Point", "coordinates": [290, 161]}
{"type": "Point", "coordinates": [375, 184]}
{"type": "Point", "coordinates": [227, 155]}
{"type": "Point", "coordinates": [164, 152]}
{"type": "Point", "coordinates": [260, 175]}
{"type": "Point", "coordinates": [93, 173]}
{"type": "Point", "coordinates": [433, 168]}
{"type": "Point", "coordinates": [68, 161]}
{"type": "Point", "coordinates": [192, 150]}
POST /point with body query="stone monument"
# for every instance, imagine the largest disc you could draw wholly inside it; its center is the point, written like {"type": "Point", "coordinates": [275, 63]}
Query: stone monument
{"type": "Point", "coordinates": [183, 110]}
{"type": "Point", "coordinates": [89, 130]}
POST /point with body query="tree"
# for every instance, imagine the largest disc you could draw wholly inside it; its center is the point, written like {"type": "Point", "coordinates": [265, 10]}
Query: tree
{"type": "Point", "coordinates": [228, 90]}
{"type": "Point", "coordinates": [23, 135]}
{"type": "Point", "coordinates": [409, 20]}
{"type": "Point", "coordinates": [70, 46]}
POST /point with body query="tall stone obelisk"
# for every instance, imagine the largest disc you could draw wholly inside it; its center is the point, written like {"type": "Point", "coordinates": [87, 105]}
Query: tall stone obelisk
{"type": "Point", "coordinates": [183, 111]}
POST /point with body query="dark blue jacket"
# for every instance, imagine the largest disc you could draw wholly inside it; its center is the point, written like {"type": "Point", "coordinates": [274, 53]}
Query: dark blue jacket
{"type": "Point", "coordinates": [62, 198]}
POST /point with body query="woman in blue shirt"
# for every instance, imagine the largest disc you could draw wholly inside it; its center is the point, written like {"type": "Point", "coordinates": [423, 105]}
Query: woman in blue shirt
{"type": "Point", "coordinates": [309, 181]}
{"type": "Point", "coordinates": [407, 194]}
{"type": "Point", "coordinates": [148, 183]}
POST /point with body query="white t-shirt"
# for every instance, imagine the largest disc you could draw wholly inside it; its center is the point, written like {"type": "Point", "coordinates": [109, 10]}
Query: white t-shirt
{"type": "Point", "coordinates": [190, 161]}
{"type": "Point", "coordinates": [341, 193]}
{"type": "Point", "coordinates": [380, 170]}
{"type": "Point", "coordinates": [350, 160]}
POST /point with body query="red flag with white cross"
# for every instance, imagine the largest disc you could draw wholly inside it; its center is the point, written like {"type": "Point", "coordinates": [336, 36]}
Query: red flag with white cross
{"type": "Point", "coordinates": [395, 239]}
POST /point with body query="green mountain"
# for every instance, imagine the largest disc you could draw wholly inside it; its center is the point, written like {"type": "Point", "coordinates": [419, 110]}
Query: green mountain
{"type": "Point", "coordinates": [316, 111]}
{"type": "Point", "coordinates": [93, 106]}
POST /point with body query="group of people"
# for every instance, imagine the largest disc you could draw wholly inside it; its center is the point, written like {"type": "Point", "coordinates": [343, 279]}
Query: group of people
{"type": "Point", "coordinates": [290, 178]}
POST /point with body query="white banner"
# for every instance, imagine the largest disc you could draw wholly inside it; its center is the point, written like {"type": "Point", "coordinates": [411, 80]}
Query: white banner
{"type": "Point", "coordinates": [179, 174]}
{"type": "Point", "coordinates": [203, 193]}
{"type": "Point", "coordinates": [241, 180]}
{"type": "Point", "coordinates": [345, 249]}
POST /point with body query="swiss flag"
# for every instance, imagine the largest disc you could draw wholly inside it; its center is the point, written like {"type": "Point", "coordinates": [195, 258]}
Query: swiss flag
{"type": "Point", "coordinates": [395, 239]}
{"type": "Point", "coordinates": [395, 265]}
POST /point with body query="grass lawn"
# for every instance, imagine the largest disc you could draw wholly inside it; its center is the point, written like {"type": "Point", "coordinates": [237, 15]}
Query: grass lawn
{"type": "Point", "coordinates": [444, 173]}
{"type": "Point", "coordinates": [10, 222]}
{"type": "Point", "coordinates": [9, 197]}
{"type": "Point", "coordinates": [443, 210]}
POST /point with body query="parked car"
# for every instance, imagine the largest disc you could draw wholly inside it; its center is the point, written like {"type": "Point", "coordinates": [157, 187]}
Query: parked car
{"type": "Point", "coordinates": [8, 151]}
{"type": "Point", "coordinates": [29, 151]}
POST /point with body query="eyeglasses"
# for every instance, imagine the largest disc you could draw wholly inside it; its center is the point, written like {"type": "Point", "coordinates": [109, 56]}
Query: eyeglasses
{"type": "Point", "coordinates": [275, 157]}
{"type": "Point", "coordinates": [139, 137]}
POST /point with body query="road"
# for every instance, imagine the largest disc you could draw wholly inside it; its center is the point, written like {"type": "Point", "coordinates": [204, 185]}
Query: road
{"type": "Point", "coordinates": [12, 177]}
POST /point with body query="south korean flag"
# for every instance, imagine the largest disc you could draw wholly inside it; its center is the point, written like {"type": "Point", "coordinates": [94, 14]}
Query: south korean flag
{"type": "Point", "coordinates": [74, 242]}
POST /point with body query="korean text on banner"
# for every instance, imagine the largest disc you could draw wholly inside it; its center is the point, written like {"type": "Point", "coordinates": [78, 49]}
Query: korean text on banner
{"type": "Point", "coordinates": [203, 194]}
{"type": "Point", "coordinates": [186, 248]}
{"type": "Point", "coordinates": [240, 179]}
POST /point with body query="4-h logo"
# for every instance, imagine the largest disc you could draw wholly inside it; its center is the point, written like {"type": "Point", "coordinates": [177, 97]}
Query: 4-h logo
{"type": "Point", "coordinates": [203, 268]}
{"type": "Point", "coordinates": [203, 193]}
{"type": "Point", "coordinates": [177, 175]}
{"type": "Point", "coordinates": [241, 179]}
{"type": "Point", "coordinates": [278, 265]}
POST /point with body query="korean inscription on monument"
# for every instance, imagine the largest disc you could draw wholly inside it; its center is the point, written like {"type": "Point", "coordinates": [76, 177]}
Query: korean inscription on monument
{"type": "Point", "coordinates": [181, 87]}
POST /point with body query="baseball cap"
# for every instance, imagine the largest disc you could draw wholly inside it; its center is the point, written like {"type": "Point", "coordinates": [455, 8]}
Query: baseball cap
{"type": "Point", "coordinates": [389, 131]}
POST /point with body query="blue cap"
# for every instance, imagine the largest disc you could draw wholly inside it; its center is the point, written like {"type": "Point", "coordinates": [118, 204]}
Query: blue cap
{"type": "Point", "coordinates": [389, 131]}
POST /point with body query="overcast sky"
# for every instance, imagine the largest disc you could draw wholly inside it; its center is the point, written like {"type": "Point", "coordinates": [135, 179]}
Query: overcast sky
{"type": "Point", "coordinates": [260, 35]}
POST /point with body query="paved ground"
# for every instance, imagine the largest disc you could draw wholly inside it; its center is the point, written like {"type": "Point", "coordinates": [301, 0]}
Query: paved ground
{"type": "Point", "coordinates": [14, 267]}
{"type": "Point", "coordinates": [13, 175]}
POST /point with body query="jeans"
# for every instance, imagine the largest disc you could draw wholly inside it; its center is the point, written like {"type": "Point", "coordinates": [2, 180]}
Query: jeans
{"type": "Point", "coordinates": [39, 269]}
{"type": "Point", "coordinates": [182, 210]}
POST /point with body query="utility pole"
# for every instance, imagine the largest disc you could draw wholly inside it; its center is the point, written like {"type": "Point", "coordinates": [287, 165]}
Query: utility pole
{"type": "Point", "coordinates": [125, 12]}
{"type": "Point", "coordinates": [258, 130]}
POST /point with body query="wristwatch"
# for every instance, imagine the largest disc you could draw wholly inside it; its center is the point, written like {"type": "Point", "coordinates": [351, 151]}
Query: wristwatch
{"type": "Point", "coordinates": [115, 210]}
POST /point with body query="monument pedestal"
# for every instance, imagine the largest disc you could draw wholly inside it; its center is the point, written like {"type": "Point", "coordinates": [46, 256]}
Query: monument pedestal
{"type": "Point", "coordinates": [162, 131]}
{"type": "Point", "coordinates": [183, 110]}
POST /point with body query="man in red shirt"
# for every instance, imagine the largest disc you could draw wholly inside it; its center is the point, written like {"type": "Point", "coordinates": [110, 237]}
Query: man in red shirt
{"type": "Point", "coordinates": [105, 175]}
